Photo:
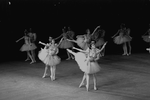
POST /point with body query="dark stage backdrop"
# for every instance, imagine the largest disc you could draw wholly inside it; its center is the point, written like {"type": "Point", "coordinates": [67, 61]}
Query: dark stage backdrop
{"type": "Point", "coordinates": [48, 17]}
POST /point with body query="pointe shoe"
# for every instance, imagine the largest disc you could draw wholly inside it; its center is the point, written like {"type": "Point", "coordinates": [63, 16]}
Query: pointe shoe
{"type": "Point", "coordinates": [32, 62]}
{"type": "Point", "coordinates": [68, 59]}
{"type": "Point", "coordinates": [27, 59]}
{"type": "Point", "coordinates": [82, 84]}
{"type": "Point", "coordinates": [44, 76]}
{"type": "Point", "coordinates": [95, 88]}
{"type": "Point", "coordinates": [87, 88]}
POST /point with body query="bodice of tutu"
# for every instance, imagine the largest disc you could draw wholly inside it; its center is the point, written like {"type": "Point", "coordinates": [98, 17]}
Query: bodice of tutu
{"type": "Point", "coordinates": [92, 54]}
{"type": "Point", "coordinates": [26, 40]}
{"type": "Point", "coordinates": [52, 50]}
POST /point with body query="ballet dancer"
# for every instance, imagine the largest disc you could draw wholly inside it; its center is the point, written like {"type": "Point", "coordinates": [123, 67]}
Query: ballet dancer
{"type": "Point", "coordinates": [146, 37]}
{"type": "Point", "coordinates": [49, 57]}
{"type": "Point", "coordinates": [83, 40]}
{"type": "Point", "coordinates": [27, 46]}
{"type": "Point", "coordinates": [123, 38]}
{"type": "Point", "coordinates": [65, 44]}
{"type": "Point", "coordinates": [32, 37]}
{"type": "Point", "coordinates": [87, 62]}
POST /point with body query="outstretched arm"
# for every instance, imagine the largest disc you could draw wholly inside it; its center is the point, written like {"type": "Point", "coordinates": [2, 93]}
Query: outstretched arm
{"type": "Point", "coordinates": [80, 50]}
{"type": "Point", "coordinates": [60, 42]}
{"type": "Point", "coordinates": [72, 40]}
{"type": "Point", "coordinates": [102, 47]}
{"type": "Point", "coordinates": [115, 34]}
{"type": "Point", "coordinates": [95, 30]}
{"type": "Point", "coordinates": [20, 39]}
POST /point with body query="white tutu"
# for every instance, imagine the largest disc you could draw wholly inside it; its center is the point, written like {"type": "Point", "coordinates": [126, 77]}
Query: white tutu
{"type": "Point", "coordinates": [81, 43]}
{"type": "Point", "coordinates": [146, 38]}
{"type": "Point", "coordinates": [86, 66]}
{"type": "Point", "coordinates": [51, 60]}
{"type": "Point", "coordinates": [122, 39]}
{"type": "Point", "coordinates": [28, 47]}
{"type": "Point", "coordinates": [100, 42]}
{"type": "Point", "coordinates": [65, 44]}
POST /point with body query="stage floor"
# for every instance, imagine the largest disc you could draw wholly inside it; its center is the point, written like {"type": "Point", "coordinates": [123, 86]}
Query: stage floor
{"type": "Point", "coordinates": [120, 78]}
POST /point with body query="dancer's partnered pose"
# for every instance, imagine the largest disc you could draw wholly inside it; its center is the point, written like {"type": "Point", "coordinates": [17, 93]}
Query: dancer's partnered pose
{"type": "Point", "coordinates": [87, 62]}
{"type": "Point", "coordinates": [27, 46]}
{"type": "Point", "coordinates": [49, 57]}
{"type": "Point", "coordinates": [123, 38]}
{"type": "Point", "coordinates": [32, 37]}
{"type": "Point", "coordinates": [146, 37]}
{"type": "Point", "coordinates": [84, 40]}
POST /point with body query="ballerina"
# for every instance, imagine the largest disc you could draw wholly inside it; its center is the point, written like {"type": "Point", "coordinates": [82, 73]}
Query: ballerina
{"type": "Point", "coordinates": [83, 40]}
{"type": "Point", "coordinates": [49, 57]}
{"type": "Point", "coordinates": [65, 44]}
{"type": "Point", "coordinates": [146, 37]}
{"type": "Point", "coordinates": [33, 37]}
{"type": "Point", "coordinates": [87, 62]}
{"type": "Point", "coordinates": [123, 38]}
{"type": "Point", "coordinates": [27, 46]}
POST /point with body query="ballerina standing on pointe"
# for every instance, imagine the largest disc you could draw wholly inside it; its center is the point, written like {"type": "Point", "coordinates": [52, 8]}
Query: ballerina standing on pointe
{"type": "Point", "coordinates": [146, 37]}
{"type": "Point", "coordinates": [32, 37]}
{"type": "Point", "coordinates": [49, 57]}
{"type": "Point", "coordinates": [27, 46]}
{"type": "Point", "coordinates": [87, 62]}
{"type": "Point", "coordinates": [83, 41]}
{"type": "Point", "coordinates": [123, 38]}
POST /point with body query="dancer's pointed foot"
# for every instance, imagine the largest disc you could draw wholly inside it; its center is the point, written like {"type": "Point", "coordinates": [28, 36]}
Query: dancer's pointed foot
{"type": "Point", "coordinates": [27, 59]}
{"type": "Point", "coordinates": [68, 58]}
{"type": "Point", "coordinates": [95, 88]}
{"type": "Point", "coordinates": [87, 88]}
{"type": "Point", "coordinates": [32, 62]}
{"type": "Point", "coordinates": [44, 76]}
{"type": "Point", "coordinates": [82, 84]}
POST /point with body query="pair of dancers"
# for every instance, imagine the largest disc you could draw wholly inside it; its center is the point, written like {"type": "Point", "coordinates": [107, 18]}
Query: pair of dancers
{"type": "Point", "coordinates": [87, 62]}
{"type": "Point", "coordinates": [49, 57]}
{"type": "Point", "coordinates": [29, 45]}
{"type": "Point", "coordinates": [123, 38]}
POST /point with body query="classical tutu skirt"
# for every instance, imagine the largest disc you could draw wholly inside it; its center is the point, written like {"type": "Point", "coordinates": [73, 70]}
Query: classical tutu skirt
{"type": "Point", "coordinates": [86, 66]}
{"type": "Point", "coordinates": [65, 44]}
{"type": "Point", "coordinates": [122, 39]}
{"type": "Point", "coordinates": [81, 43]}
{"type": "Point", "coordinates": [51, 60]}
{"type": "Point", "coordinates": [28, 47]}
{"type": "Point", "coordinates": [146, 38]}
{"type": "Point", "coordinates": [100, 42]}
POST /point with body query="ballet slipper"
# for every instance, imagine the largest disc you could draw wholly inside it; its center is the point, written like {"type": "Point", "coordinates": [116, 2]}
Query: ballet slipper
{"type": "Point", "coordinates": [68, 58]}
{"type": "Point", "coordinates": [27, 59]}
{"type": "Point", "coordinates": [32, 62]}
{"type": "Point", "coordinates": [44, 76]}
{"type": "Point", "coordinates": [95, 88]}
{"type": "Point", "coordinates": [82, 84]}
{"type": "Point", "coordinates": [87, 88]}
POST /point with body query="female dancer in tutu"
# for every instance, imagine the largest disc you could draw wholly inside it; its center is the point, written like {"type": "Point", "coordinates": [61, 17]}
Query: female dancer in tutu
{"type": "Point", "coordinates": [87, 62]}
{"type": "Point", "coordinates": [32, 37]}
{"type": "Point", "coordinates": [27, 46]}
{"type": "Point", "coordinates": [146, 37]}
{"type": "Point", "coordinates": [99, 38]}
{"type": "Point", "coordinates": [49, 57]}
{"type": "Point", "coordinates": [65, 44]}
{"type": "Point", "coordinates": [123, 38]}
{"type": "Point", "coordinates": [83, 40]}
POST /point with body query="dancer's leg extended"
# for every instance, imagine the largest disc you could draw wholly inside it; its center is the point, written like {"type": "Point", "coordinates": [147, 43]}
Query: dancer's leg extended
{"type": "Point", "coordinates": [87, 82]}
{"type": "Point", "coordinates": [82, 82]}
{"type": "Point", "coordinates": [94, 80]}
{"type": "Point", "coordinates": [33, 55]}
{"type": "Point", "coordinates": [45, 71]}
{"type": "Point", "coordinates": [68, 56]}
{"type": "Point", "coordinates": [27, 56]}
